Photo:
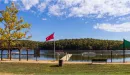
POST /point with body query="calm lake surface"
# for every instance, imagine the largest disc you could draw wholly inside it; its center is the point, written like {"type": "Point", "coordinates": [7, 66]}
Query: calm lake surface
{"type": "Point", "coordinates": [78, 55]}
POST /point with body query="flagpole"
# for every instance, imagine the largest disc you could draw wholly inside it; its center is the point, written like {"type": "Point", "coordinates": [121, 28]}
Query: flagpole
{"type": "Point", "coordinates": [49, 38]}
{"type": "Point", "coordinates": [123, 51]}
{"type": "Point", "coordinates": [36, 52]}
{"type": "Point", "coordinates": [54, 48]}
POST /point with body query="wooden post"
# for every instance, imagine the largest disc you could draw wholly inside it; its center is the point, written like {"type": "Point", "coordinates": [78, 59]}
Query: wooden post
{"type": "Point", "coordinates": [36, 51]}
{"type": "Point", "coordinates": [10, 54]}
{"type": "Point", "coordinates": [27, 54]}
{"type": "Point", "coordinates": [36, 55]}
{"type": "Point", "coordinates": [88, 55]}
{"type": "Point", "coordinates": [1, 55]}
{"type": "Point", "coordinates": [123, 55]}
{"type": "Point", "coordinates": [111, 56]}
{"type": "Point", "coordinates": [19, 55]}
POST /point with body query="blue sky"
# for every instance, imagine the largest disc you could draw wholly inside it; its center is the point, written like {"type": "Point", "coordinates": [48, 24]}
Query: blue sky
{"type": "Point", "coordinates": [100, 19]}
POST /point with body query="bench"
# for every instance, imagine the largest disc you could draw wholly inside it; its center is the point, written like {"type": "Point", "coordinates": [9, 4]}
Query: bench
{"type": "Point", "coordinates": [99, 60]}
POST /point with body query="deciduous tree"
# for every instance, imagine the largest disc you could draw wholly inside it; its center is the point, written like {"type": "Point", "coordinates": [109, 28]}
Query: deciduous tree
{"type": "Point", "coordinates": [13, 29]}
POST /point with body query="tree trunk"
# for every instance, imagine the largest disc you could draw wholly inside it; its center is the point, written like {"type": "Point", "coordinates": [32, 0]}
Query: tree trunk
{"type": "Point", "coordinates": [9, 52]}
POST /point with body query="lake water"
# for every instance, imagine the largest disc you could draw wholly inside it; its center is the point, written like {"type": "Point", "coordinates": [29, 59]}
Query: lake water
{"type": "Point", "coordinates": [77, 55]}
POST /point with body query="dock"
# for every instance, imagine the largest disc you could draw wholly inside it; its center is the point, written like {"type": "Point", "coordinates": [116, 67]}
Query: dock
{"type": "Point", "coordinates": [66, 57]}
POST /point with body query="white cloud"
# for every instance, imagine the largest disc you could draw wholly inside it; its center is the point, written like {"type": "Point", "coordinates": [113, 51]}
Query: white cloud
{"type": "Point", "coordinates": [44, 19]}
{"type": "Point", "coordinates": [69, 3]}
{"type": "Point", "coordinates": [79, 8]}
{"type": "Point", "coordinates": [124, 27]}
{"type": "Point", "coordinates": [42, 6]}
{"type": "Point", "coordinates": [101, 7]}
{"type": "Point", "coordinates": [55, 10]}
{"type": "Point", "coordinates": [14, 0]}
{"type": "Point", "coordinates": [84, 8]}
{"type": "Point", "coordinates": [6, 1]}
{"type": "Point", "coordinates": [29, 3]}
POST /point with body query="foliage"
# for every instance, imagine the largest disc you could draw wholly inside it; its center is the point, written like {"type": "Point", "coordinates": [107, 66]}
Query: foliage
{"type": "Point", "coordinates": [13, 28]}
{"type": "Point", "coordinates": [83, 44]}
{"type": "Point", "coordinates": [74, 44]}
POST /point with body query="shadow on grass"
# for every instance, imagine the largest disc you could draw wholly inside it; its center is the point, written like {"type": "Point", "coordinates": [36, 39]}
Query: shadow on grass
{"type": "Point", "coordinates": [54, 66]}
{"type": "Point", "coordinates": [90, 64]}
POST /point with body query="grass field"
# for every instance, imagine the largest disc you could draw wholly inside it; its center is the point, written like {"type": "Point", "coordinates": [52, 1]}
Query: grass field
{"type": "Point", "coordinates": [67, 69]}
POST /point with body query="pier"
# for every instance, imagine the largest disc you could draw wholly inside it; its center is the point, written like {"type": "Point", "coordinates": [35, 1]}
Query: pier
{"type": "Point", "coordinates": [66, 57]}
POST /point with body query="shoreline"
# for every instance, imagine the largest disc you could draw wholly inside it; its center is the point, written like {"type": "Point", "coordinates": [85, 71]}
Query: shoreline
{"type": "Point", "coordinates": [55, 62]}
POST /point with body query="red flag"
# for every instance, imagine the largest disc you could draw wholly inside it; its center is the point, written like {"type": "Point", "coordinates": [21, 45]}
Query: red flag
{"type": "Point", "coordinates": [50, 37]}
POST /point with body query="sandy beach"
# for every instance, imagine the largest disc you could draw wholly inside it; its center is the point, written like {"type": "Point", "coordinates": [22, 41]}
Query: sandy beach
{"type": "Point", "coordinates": [55, 62]}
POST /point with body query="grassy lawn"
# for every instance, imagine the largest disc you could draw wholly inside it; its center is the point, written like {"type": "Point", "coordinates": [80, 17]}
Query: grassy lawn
{"type": "Point", "coordinates": [67, 69]}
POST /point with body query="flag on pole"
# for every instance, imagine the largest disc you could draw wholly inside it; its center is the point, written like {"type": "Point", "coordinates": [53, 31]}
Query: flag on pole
{"type": "Point", "coordinates": [50, 37]}
{"type": "Point", "coordinates": [126, 44]}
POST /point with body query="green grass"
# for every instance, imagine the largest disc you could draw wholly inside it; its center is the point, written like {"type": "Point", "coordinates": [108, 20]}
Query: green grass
{"type": "Point", "coordinates": [67, 69]}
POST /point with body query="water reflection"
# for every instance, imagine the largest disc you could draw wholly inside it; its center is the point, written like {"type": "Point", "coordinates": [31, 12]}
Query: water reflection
{"type": "Point", "coordinates": [78, 55]}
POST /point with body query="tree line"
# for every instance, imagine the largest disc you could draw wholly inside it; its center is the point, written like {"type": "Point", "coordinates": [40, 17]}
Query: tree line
{"type": "Point", "coordinates": [74, 44]}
